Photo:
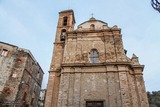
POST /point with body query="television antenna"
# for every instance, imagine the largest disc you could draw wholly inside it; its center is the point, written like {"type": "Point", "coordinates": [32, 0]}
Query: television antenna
{"type": "Point", "coordinates": [156, 5]}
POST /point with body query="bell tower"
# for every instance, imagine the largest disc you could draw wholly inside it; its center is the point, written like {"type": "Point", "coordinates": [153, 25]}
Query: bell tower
{"type": "Point", "coordinates": [65, 23]}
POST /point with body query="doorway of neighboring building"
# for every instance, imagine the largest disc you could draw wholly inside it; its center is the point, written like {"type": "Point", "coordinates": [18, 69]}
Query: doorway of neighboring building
{"type": "Point", "coordinates": [94, 104]}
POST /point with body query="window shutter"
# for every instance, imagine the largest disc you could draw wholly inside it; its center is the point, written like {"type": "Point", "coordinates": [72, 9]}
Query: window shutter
{"type": "Point", "coordinates": [8, 53]}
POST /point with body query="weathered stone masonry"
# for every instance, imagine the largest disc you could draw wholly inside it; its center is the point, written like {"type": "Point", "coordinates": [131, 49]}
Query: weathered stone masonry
{"type": "Point", "coordinates": [20, 77]}
{"type": "Point", "coordinates": [114, 79]}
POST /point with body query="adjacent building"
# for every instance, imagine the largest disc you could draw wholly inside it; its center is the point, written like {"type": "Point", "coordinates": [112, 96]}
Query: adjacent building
{"type": "Point", "coordinates": [21, 77]}
{"type": "Point", "coordinates": [42, 97]}
{"type": "Point", "coordinates": [90, 68]}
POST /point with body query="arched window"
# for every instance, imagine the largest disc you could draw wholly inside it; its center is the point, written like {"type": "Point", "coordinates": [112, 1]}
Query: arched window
{"type": "Point", "coordinates": [63, 34]}
{"type": "Point", "coordinates": [65, 19]}
{"type": "Point", "coordinates": [92, 27]}
{"type": "Point", "coordinates": [94, 56]}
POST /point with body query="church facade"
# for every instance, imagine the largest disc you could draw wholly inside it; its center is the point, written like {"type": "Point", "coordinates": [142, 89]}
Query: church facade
{"type": "Point", "coordinates": [90, 68]}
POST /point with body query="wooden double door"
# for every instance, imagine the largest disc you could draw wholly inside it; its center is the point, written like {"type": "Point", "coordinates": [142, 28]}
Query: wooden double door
{"type": "Point", "coordinates": [94, 104]}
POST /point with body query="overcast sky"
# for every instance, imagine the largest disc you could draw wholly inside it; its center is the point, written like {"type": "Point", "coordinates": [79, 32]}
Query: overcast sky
{"type": "Point", "coordinates": [31, 24]}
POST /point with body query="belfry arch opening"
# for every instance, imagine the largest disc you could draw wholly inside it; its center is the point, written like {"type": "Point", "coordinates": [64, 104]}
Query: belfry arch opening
{"type": "Point", "coordinates": [63, 34]}
{"type": "Point", "coordinates": [65, 20]}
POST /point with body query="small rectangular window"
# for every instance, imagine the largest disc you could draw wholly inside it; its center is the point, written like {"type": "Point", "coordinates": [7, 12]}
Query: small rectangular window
{"type": "Point", "coordinates": [38, 75]}
{"type": "Point", "coordinates": [4, 52]}
{"type": "Point", "coordinates": [14, 75]}
{"type": "Point", "coordinates": [94, 104]}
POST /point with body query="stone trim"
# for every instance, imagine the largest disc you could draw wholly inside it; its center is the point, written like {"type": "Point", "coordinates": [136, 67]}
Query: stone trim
{"type": "Point", "coordinates": [93, 31]}
{"type": "Point", "coordinates": [93, 64]}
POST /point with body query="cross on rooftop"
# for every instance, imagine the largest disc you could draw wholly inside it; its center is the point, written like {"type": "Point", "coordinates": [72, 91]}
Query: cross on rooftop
{"type": "Point", "coordinates": [92, 14]}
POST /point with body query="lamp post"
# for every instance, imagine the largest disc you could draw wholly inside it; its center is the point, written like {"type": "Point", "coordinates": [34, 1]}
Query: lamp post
{"type": "Point", "coordinates": [156, 5]}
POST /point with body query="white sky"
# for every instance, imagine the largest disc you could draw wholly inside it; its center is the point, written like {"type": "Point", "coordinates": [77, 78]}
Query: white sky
{"type": "Point", "coordinates": [31, 24]}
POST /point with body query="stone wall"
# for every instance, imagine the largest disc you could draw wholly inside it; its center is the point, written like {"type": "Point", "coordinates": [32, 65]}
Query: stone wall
{"type": "Point", "coordinates": [21, 76]}
{"type": "Point", "coordinates": [79, 45]}
{"type": "Point", "coordinates": [112, 84]}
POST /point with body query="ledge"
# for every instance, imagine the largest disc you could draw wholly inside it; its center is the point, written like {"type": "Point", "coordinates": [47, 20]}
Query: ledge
{"type": "Point", "coordinates": [93, 64]}
{"type": "Point", "coordinates": [94, 31]}
{"type": "Point", "coordinates": [61, 42]}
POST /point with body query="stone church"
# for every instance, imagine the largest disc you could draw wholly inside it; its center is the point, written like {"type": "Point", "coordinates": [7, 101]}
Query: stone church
{"type": "Point", "coordinates": [89, 67]}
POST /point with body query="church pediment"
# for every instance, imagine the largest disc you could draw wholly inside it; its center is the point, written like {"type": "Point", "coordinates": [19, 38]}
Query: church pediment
{"type": "Point", "coordinates": [93, 24]}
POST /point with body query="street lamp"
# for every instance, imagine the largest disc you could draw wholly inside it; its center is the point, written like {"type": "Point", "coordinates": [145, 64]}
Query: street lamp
{"type": "Point", "coordinates": [156, 5]}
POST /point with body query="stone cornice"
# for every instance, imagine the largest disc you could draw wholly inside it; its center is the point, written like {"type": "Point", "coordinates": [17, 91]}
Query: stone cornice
{"type": "Point", "coordinates": [94, 31]}
{"type": "Point", "coordinates": [94, 71]}
{"type": "Point", "coordinates": [61, 42]}
{"type": "Point", "coordinates": [93, 64]}
{"type": "Point", "coordinates": [101, 64]}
